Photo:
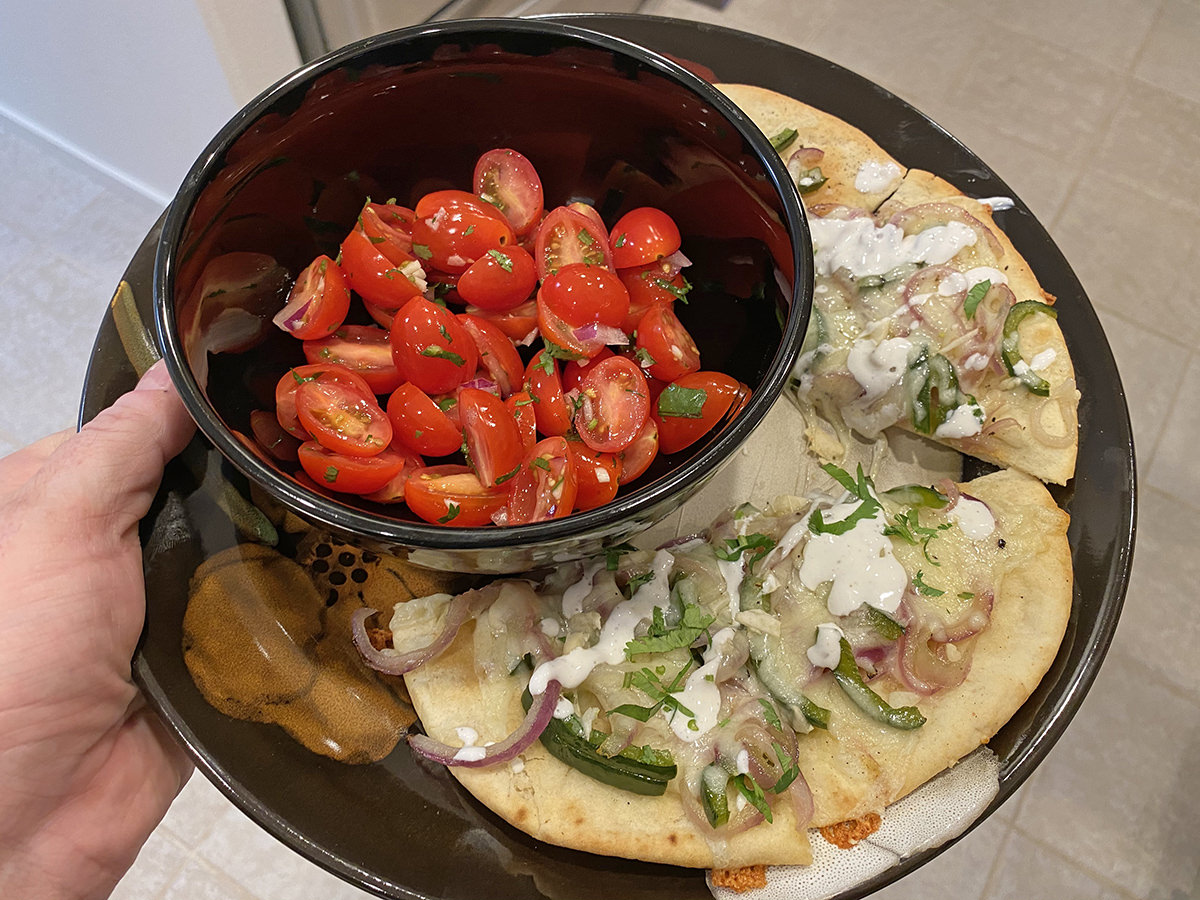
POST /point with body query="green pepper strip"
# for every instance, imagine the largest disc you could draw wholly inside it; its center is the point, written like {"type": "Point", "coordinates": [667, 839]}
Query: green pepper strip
{"type": "Point", "coordinates": [1010, 345]}
{"type": "Point", "coordinates": [817, 716]}
{"type": "Point", "coordinates": [615, 771]}
{"type": "Point", "coordinates": [917, 495]}
{"type": "Point", "coordinates": [848, 678]}
{"type": "Point", "coordinates": [713, 782]}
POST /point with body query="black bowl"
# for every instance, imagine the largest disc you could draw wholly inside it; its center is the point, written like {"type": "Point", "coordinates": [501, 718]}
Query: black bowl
{"type": "Point", "coordinates": [603, 120]}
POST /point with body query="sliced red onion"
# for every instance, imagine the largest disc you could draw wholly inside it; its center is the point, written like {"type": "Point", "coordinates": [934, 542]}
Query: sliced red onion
{"type": "Point", "coordinates": [950, 488]}
{"type": "Point", "coordinates": [541, 711]}
{"type": "Point", "coordinates": [926, 670]}
{"type": "Point", "coordinates": [799, 794]}
{"type": "Point", "coordinates": [392, 662]}
{"type": "Point", "coordinates": [973, 620]}
{"type": "Point", "coordinates": [806, 157]}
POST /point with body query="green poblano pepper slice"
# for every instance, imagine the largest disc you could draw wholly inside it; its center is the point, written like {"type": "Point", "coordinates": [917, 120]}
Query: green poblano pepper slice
{"type": "Point", "coordinates": [850, 680]}
{"type": "Point", "coordinates": [1010, 349]}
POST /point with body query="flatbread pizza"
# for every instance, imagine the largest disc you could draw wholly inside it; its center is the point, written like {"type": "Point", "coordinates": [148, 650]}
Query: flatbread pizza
{"type": "Point", "coordinates": [714, 661]}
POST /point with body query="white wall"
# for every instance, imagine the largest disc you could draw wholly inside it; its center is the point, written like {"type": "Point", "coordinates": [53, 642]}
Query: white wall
{"type": "Point", "coordinates": [135, 87]}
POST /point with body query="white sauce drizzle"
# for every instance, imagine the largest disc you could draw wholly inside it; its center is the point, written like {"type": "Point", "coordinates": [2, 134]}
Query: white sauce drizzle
{"type": "Point", "coordinates": [563, 708]}
{"type": "Point", "coordinates": [731, 571]}
{"type": "Point", "coordinates": [996, 204]}
{"type": "Point", "coordinates": [572, 668]}
{"type": "Point", "coordinates": [863, 249]}
{"type": "Point", "coordinates": [965, 421]}
{"type": "Point", "coordinates": [827, 651]}
{"type": "Point", "coordinates": [700, 694]}
{"type": "Point", "coordinates": [860, 564]}
{"type": "Point", "coordinates": [469, 752]}
{"type": "Point", "coordinates": [878, 367]}
{"type": "Point", "coordinates": [973, 518]}
{"type": "Point", "coordinates": [875, 176]}
{"type": "Point", "coordinates": [572, 600]}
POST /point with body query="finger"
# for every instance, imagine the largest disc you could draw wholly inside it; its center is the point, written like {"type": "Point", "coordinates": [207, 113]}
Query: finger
{"type": "Point", "coordinates": [113, 466]}
{"type": "Point", "coordinates": [20, 465]}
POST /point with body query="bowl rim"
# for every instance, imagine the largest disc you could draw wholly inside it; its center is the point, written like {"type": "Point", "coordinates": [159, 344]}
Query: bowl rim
{"type": "Point", "coordinates": [331, 513]}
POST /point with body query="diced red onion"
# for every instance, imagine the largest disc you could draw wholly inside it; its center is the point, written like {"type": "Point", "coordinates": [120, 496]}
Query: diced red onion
{"type": "Point", "coordinates": [293, 314]}
{"type": "Point", "coordinates": [606, 334]}
{"type": "Point", "coordinates": [677, 261]}
{"type": "Point", "coordinates": [391, 662]}
{"type": "Point", "coordinates": [484, 384]}
{"type": "Point", "coordinates": [541, 711]}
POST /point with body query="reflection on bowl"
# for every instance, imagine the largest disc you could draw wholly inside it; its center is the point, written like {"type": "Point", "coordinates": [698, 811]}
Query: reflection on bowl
{"type": "Point", "coordinates": [603, 121]}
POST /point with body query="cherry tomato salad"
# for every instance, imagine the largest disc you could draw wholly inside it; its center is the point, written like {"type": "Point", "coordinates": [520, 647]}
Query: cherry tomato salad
{"type": "Point", "coordinates": [522, 364]}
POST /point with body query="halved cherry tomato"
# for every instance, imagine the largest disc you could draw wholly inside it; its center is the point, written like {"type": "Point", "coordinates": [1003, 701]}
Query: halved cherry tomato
{"type": "Point", "coordinates": [349, 474]}
{"type": "Point", "coordinates": [431, 348]}
{"type": "Point", "coordinates": [519, 323]}
{"type": "Point", "coordinates": [393, 491]}
{"type": "Point", "coordinates": [508, 181]}
{"type": "Point", "coordinates": [386, 283]}
{"type": "Point", "coordinates": [690, 406]}
{"type": "Point", "coordinates": [285, 391]}
{"type": "Point", "coordinates": [589, 212]}
{"type": "Point", "coordinates": [271, 437]}
{"type": "Point", "coordinates": [545, 487]}
{"type": "Point", "coordinates": [521, 405]}
{"type": "Point", "coordinates": [650, 286]}
{"type": "Point", "coordinates": [597, 476]}
{"type": "Point", "coordinates": [364, 350]}
{"type": "Point", "coordinates": [661, 335]}
{"type": "Point", "coordinates": [575, 343]}
{"type": "Point", "coordinates": [642, 236]}
{"type": "Point", "coordinates": [340, 418]}
{"type": "Point", "coordinates": [575, 369]}
{"type": "Point", "coordinates": [566, 236]}
{"type": "Point", "coordinates": [498, 357]}
{"type": "Point", "coordinates": [614, 403]}
{"type": "Point", "coordinates": [419, 424]}
{"type": "Point", "coordinates": [382, 317]}
{"type": "Point", "coordinates": [585, 295]}
{"type": "Point", "coordinates": [452, 495]}
{"type": "Point", "coordinates": [637, 457]}
{"type": "Point", "coordinates": [389, 228]}
{"type": "Point", "coordinates": [491, 435]}
{"type": "Point", "coordinates": [454, 228]}
{"type": "Point", "coordinates": [499, 280]}
{"type": "Point", "coordinates": [318, 302]}
{"type": "Point", "coordinates": [544, 383]}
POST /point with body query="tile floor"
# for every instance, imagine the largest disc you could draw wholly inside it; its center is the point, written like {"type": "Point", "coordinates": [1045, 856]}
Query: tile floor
{"type": "Point", "coordinates": [1091, 111]}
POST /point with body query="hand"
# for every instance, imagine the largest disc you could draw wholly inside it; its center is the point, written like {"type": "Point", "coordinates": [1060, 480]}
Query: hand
{"type": "Point", "coordinates": [86, 770]}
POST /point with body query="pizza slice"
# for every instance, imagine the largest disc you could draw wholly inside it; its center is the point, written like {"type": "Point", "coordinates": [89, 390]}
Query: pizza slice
{"type": "Point", "coordinates": [706, 703]}
{"type": "Point", "coordinates": [925, 316]}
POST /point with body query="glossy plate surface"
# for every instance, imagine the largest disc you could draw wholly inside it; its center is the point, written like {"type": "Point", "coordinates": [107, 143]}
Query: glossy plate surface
{"type": "Point", "coordinates": [402, 829]}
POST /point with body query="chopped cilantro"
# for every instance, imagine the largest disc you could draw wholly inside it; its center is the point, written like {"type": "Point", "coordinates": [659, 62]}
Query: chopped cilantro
{"type": "Point", "coordinates": [436, 352]}
{"type": "Point", "coordinates": [760, 544]}
{"type": "Point", "coordinates": [331, 474]}
{"type": "Point", "coordinates": [748, 788]}
{"type": "Point", "coordinates": [682, 402]}
{"type": "Point", "coordinates": [422, 250]}
{"type": "Point", "coordinates": [923, 588]}
{"type": "Point", "coordinates": [452, 511]}
{"type": "Point", "coordinates": [503, 260]}
{"type": "Point", "coordinates": [661, 639]}
{"type": "Point", "coordinates": [975, 296]}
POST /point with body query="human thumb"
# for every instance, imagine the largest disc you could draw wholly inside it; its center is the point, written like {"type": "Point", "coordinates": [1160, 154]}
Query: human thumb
{"type": "Point", "coordinates": [113, 466]}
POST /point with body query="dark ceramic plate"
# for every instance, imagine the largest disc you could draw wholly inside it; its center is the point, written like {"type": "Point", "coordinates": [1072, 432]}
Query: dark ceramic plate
{"type": "Point", "coordinates": [404, 830]}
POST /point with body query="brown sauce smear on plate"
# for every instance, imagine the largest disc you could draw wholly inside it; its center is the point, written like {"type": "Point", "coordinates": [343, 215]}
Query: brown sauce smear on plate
{"type": "Point", "coordinates": [266, 637]}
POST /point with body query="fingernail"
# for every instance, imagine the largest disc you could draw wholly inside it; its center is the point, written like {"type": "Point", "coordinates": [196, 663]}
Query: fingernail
{"type": "Point", "coordinates": [157, 378]}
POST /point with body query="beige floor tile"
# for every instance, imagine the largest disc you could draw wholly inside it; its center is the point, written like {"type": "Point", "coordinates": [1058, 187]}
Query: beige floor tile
{"type": "Point", "coordinates": [1027, 869]}
{"type": "Point", "coordinates": [1176, 464]}
{"type": "Point", "coordinates": [49, 178]}
{"type": "Point", "coordinates": [1118, 794]}
{"type": "Point", "coordinates": [1158, 624]}
{"type": "Point", "coordinates": [1134, 253]}
{"type": "Point", "coordinates": [200, 881]}
{"type": "Point", "coordinates": [160, 861]}
{"type": "Point", "coordinates": [1168, 58]}
{"type": "Point", "coordinates": [1154, 141]}
{"type": "Point", "coordinates": [1149, 365]}
{"type": "Point", "coordinates": [1034, 91]}
{"type": "Point", "coordinates": [1107, 33]}
{"type": "Point", "coordinates": [959, 872]}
